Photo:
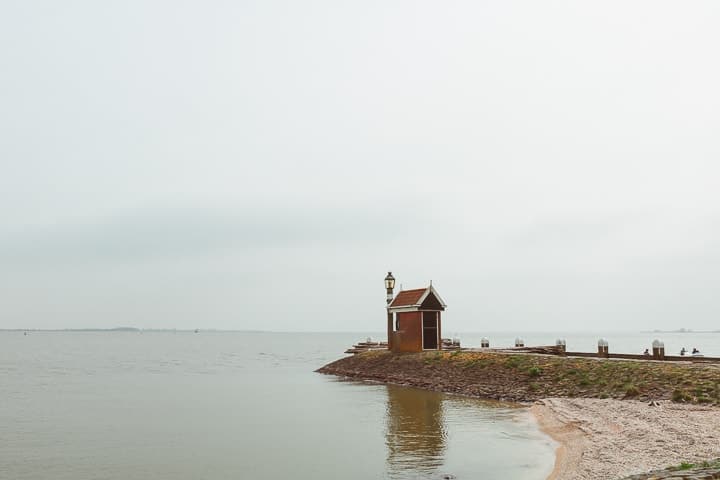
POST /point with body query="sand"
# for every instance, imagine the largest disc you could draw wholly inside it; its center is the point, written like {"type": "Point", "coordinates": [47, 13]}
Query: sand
{"type": "Point", "coordinates": [610, 439]}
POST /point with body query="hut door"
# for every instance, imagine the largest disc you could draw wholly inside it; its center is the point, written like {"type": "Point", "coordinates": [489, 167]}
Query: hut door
{"type": "Point", "coordinates": [430, 330]}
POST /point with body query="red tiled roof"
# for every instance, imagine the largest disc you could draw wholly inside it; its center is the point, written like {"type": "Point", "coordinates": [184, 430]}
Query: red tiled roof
{"type": "Point", "coordinates": [408, 297]}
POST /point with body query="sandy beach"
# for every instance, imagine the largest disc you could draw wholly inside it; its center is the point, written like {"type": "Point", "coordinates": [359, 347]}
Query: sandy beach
{"type": "Point", "coordinates": [605, 438]}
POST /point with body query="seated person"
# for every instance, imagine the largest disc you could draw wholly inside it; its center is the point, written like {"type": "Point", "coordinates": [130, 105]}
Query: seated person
{"type": "Point", "coordinates": [646, 352]}
{"type": "Point", "coordinates": [682, 352]}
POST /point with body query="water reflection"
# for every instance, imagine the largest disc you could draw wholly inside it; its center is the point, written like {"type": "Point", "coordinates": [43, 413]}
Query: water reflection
{"type": "Point", "coordinates": [416, 433]}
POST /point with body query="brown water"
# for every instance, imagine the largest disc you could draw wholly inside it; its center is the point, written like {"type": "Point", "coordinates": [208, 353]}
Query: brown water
{"type": "Point", "coordinates": [237, 406]}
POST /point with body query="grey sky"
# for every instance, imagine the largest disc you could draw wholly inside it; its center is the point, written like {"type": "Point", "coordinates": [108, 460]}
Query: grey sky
{"type": "Point", "coordinates": [262, 164]}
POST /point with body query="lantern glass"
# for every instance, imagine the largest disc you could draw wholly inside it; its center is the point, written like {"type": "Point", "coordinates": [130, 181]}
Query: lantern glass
{"type": "Point", "coordinates": [389, 281]}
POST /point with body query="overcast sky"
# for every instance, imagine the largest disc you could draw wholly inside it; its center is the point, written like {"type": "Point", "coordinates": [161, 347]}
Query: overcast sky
{"type": "Point", "coordinates": [263, 164]}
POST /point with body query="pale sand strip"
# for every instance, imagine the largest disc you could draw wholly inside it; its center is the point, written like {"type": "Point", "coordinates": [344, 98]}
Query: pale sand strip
{"type": "Point", "coordinates": [569, 437]}
{"type": "Point", "coordinates": [609, 439]}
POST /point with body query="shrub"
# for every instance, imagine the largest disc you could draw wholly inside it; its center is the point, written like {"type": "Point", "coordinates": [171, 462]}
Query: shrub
{"type": "Point", "coordinates": [515, 361]}
{"type": "Point", "coordinates": [477, 363]}
{"type": "Point", "coordinates": [435, 357]}
{"type": "Point", "coordinates": [631, 390]}
{"type": "Point", "coordinates": [679, 395]}
{"type": "Point", "coordinates": [534, 371]}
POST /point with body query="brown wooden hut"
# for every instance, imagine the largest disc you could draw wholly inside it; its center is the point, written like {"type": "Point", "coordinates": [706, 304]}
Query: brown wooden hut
{"type": "Point", "coordinates": [417, 320]}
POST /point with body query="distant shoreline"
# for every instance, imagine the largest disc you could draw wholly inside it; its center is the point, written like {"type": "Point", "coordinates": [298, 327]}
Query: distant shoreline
{"type": "Point", "coordinates": [127, 329]}
{"type": "Point", "coordinates": [682, 330]}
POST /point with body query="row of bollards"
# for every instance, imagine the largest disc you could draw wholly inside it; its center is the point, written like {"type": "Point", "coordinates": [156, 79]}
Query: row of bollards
{"type": "Point", "coordinates": [603, 350]}
{"type": "Point", "coordinates": [658, 349]}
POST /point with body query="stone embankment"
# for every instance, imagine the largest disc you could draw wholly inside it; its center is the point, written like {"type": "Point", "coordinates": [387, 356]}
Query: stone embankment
{"type": "Point", "coordinates": [528, 377]}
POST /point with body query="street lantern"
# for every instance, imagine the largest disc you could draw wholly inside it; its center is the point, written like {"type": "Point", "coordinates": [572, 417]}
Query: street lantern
{"type": "Point", "coordinates": [389, 287]}
{"type": "Point", "coordinates": [389, 281]}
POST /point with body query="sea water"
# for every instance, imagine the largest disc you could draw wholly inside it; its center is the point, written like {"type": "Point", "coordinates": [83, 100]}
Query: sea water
{"type": "Point", "coordinates": [230, 405]}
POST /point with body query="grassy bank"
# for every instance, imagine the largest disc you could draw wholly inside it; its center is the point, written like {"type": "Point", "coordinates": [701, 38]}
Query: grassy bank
{"type": "Point", "coordinates": [684, 471]}
{"type": "Point", "coordinates": [528, 377]}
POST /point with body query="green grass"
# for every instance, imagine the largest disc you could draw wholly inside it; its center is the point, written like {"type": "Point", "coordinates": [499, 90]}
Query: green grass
{"type": "Point", "coordinates": [534, 371]}
{"type": "Point", "coordinates": [516, 361]}
{"type": "Point", "coordinates": [689, 466]}
{"type": "Point", "coordinates": [683, 466]}
{"type": "Point", "coordinates": [631, 390]}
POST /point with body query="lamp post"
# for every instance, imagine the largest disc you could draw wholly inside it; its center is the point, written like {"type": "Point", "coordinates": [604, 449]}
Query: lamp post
{"type": "Point", "coordinates": [389, 287]}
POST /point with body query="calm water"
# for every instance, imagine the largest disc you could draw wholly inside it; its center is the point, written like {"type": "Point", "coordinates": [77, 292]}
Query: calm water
{"type": "Point", "coordinates": [237, 406]}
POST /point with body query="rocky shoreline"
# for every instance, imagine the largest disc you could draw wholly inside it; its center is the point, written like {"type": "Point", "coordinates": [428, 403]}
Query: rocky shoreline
{"type": "Point", "coordinates": [612, 418]}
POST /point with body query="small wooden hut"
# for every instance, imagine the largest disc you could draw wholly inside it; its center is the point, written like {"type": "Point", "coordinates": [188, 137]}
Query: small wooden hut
{"type": "Point", "coordinates": [417, 324]}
